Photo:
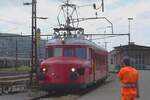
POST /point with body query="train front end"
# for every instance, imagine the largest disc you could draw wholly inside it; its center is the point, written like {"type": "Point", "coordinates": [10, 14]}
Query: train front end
{"type": "Point", "coordinates": [65, 67]}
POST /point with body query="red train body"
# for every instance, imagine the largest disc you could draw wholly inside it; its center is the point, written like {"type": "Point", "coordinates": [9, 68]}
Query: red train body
{"type": "Point", "coordinates": [71, 60]}
{"type": "Point", "coordinates": [72, 63]}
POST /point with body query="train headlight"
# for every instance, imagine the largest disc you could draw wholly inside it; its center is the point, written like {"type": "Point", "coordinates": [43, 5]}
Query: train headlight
{"type": "Point", "coordinates": [44, 69]}
{"type": "Point", "coordinates": [73, 69]}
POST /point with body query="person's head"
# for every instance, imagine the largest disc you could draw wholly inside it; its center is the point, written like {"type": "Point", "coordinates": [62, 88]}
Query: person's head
{"type": "Point", "coordinates": [126, 62]}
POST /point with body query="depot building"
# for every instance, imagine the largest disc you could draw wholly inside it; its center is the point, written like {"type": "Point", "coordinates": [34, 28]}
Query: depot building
{"type": "Point", "coordinates": [139, 56]}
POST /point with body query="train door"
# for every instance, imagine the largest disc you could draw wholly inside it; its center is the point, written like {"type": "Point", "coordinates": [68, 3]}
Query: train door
{"type": "Point", "coordinates": [93, 64]}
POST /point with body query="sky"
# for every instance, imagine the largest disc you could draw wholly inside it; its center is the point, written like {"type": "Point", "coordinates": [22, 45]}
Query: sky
{"type": "Point", "coordinates": [16, 18]}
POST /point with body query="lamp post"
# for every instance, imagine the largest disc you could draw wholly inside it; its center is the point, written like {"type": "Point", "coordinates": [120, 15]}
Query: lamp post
{"type": "Point", "coordinates": [33, 44]}
{"type": "Point", "coordinates": [34, 58]}
{"type": "Point", "coordinates": [129, 20]}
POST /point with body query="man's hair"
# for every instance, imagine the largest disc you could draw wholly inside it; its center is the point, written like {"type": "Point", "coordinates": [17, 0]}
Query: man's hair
{"type": "Point", "coordinates": [126, 61]}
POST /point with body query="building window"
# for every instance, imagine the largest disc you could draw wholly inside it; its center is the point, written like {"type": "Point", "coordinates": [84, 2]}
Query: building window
{"type": "Point", "coordinates": [111, 60]}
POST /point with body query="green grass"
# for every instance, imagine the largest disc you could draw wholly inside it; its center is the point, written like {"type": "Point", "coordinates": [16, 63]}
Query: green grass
{"type": "Point", "coordinates": [16, 69]}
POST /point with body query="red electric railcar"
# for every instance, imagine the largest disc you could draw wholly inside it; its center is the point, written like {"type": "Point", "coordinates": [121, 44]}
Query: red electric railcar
{"type": "Point", "coordinates": [71, 63]}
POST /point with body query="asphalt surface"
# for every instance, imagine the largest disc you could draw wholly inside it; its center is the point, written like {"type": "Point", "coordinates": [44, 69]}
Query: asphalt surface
{"type": "Point", "coordinates": [109, 91]}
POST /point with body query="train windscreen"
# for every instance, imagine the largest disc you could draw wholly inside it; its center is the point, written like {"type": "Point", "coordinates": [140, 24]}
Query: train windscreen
{"type": "Point", "coordinates": [68, 52]}
{"type": "Point", "coordinates": [80, 52]}
{"type": "Point", "coordinates": [57, 52]}
{"type": "Point", "coordinates": [49, 52]}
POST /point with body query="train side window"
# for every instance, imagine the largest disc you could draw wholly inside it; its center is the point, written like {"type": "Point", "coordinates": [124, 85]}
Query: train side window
{"type": "Point", "coordinates": [97, 61]}
{"type": "Point", "coordinates": [68, 52]}
{"type": "Point", "coordinates": [80, 52]}
{"type": "Point", "coordinates": [88, 53]}
{"type": "Point", "coordinates": [57, 52]}
{"type": "Point", "coordinates": [49, 52]}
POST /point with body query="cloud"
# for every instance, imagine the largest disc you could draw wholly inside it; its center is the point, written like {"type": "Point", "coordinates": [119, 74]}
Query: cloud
{"type": "Point", "coordinates": [14, 17]}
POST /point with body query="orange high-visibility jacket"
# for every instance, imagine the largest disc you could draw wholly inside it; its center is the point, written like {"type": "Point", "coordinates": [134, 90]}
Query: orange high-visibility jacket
{"type": "Point", "coordinates": [129, 77]}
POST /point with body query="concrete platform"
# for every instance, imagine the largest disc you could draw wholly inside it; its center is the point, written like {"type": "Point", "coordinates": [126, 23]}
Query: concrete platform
{"type": "Point", "coordinates": [111, 91]}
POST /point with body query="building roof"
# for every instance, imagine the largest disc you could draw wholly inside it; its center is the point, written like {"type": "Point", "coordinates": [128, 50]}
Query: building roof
{"type": "Point", "coordinates": [133, 46]}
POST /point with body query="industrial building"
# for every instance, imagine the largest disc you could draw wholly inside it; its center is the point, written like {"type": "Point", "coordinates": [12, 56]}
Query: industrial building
{"type": "Point", "coordinates": [139, 56]}
{"type": "Point", "coordinates": [16, 48]}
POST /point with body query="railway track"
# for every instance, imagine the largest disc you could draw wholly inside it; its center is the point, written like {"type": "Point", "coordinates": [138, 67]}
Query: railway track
{"type": "Point", "coordinates": [53, 96]}
{"type": "Point", "coordinates": [18, 83]}
{"type": "Point", "coordinates": [15, 83]}
{"type": "Point", "coordinates": [71, 95]}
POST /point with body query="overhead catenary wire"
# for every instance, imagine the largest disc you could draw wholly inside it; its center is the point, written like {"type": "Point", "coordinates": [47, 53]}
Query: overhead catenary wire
{"type": "Point", "coordinates": [105, 37]}
{"type": "Point", "coordinates": [9, 21]}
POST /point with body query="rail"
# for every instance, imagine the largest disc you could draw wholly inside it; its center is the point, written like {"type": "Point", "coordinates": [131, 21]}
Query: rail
{"type": "Point", "coordinates": [15, 83]}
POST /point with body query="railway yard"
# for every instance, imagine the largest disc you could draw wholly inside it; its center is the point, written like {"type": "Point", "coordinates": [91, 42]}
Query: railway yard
{"type": "Point", "coordinates": [106, 91]}
{"type": "Point", "coordinates": [67, 57]}
{"type": "Point", "coordinates": [13, 82]}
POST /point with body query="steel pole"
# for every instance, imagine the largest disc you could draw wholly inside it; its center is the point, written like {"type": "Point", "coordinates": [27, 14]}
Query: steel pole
{"type": "Point", "coordinates": [129, 33]}
{"type": "Point", "coordinates": [33, 44]}
{"type": "Point", "coordinates": [129, 30]}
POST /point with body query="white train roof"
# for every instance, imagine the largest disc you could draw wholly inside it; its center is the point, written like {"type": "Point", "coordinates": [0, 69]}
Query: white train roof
{"type": "Point", "coordinates": [73, 41]}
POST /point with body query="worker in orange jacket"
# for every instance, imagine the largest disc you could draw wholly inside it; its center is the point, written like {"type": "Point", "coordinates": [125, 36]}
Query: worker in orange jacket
{"type": "Point", "coordinates": [129, 77]}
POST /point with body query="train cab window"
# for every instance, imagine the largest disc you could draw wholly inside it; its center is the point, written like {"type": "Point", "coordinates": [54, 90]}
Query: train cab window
{"type": "Point", "coordinates": [57, 52]}
{"type": "Point", "coordinates": [49, 52]}
{"type": "Point", "coordinates": [68, 52]}
{"type": "Point", "coordinates": [80, 52]}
